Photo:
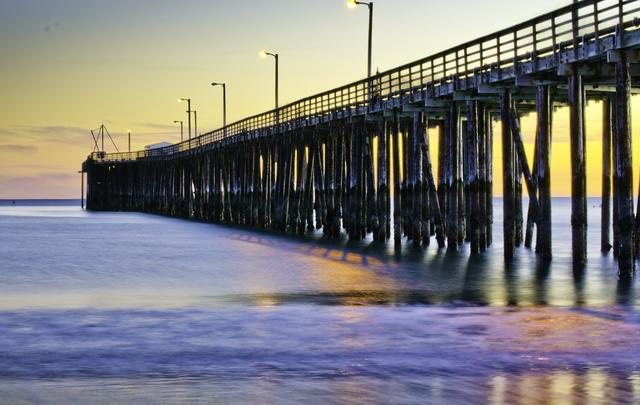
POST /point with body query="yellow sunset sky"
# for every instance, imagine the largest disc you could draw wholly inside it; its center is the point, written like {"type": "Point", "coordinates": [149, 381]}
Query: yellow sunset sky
{"type": "Point", "coordinates": [70, 65]}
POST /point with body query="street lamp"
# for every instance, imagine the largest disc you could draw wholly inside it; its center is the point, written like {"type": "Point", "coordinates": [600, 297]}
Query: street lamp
{"type": "Point", "coordinates": [188, 100]}
{"type": "Point", "coordinates": [264, 55]}
{"type": "Point", "coordinates": [224, 104]}
{"type": "Point", "coordinates": [181, 129]}
{"type": "Point", "coordinates": [195, 119]}
{"type": "Point", "coordinates": [354, 4]}
{"type": "Point", "coordinates": [129, 136]}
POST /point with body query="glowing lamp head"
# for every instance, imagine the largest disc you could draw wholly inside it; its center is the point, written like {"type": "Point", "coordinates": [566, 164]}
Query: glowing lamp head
{"type": "Point", "coordinates": [179, 100]}
{"type": "Point", "coordinates": [263, 54]}
{"type": "Point", "coordinates": [352, 3]}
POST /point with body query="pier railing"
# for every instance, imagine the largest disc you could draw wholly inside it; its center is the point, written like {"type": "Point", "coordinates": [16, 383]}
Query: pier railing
{"type": "Point", "coordinates": [548, 35]}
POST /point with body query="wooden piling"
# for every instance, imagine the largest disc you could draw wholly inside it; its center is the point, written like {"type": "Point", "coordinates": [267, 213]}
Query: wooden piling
{"type": "Point", "coordinates": [415, 179]}
{"type": "Point", "coordinates": [397, 203]}
{"type": "Point", "coordinates": [508, 183]}
{"type": "Point", "coordinates": [544, 110]}
{"type": "Point", "coordinates": [519, 218]}
{"type": "Point", "coordinates": [434, 211]}
{"type": "Point", "coordinates": [523, 164]}
{"type": "Point", "coordinates": [489, 176]}
{"type": "Point", "coordinates": [482, 177]}
{"type": "Point", "coordinates": [383, 186]}
{"type": "Point", "coordinates": [605, 222]}
{"type": "Point", "coordinates": [443, 168]}
{"type": "Point", "coordinates": [453, 174]}
{"type": "Point", "coordinates": [462, 205]}
{"type": "Point", "coordinates": [578, 169]}
{"type": "Point", "coordinates": [531, 220]}
{"type": "Point", "coordinates": [623, 169]}
{"type": "Point", "coordinates": [471, 177]}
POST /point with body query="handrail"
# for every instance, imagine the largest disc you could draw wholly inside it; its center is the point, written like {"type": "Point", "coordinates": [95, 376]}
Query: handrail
{"type": "Point", "coordinates": [543, 36]}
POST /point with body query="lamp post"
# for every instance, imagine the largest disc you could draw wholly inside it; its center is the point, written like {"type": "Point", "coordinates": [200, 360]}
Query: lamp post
{"type": "Point", "coordinates": [129, 136]}
{"type": "Point", "coordinates": [195, 120]}
{"type": "Point", "coordinates": [181, 129]}
{"type": "Point", "coordinates": [263, 55]}
{"type": "Point", "coordinates": [188, 100]}
{"type": "Point", "coordinates": [224, 104]}
{"type": "Point", "coordinates": [354, 4]}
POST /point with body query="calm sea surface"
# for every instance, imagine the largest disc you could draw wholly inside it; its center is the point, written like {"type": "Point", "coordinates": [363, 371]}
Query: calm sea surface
{"type": "Point", "coordinates": [133, 308]}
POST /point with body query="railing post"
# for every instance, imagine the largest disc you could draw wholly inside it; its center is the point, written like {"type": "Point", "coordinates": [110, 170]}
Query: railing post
{"type": "Point", "coordinates": [620, 36]}
{"type": "Point", "coordinates": [515, 52]}
{"type": "Point", "coordinates": [574, 30]}
{"type": "Point", "coordinates": [596, 20]}
{"type": "Point", "coordinates": [554, 39]}
{"type": "Point", "coordinates": [534, 56]}
{"type": "Point", "coordinates": [466, 61]}
{"type": "Point", "coordinates": [498, 53]}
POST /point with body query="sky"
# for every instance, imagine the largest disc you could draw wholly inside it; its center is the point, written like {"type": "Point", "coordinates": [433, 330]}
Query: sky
{"type": "Point", "coordinates": [70, 65]}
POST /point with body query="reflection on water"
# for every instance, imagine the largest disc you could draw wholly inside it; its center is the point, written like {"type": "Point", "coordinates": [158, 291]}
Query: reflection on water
{"type": "Point", "coordinates": [562, 387]}
{"type": "Point", "coordinates": [121, 307]}
{"type": "Point", "coordinates": [331, 353]}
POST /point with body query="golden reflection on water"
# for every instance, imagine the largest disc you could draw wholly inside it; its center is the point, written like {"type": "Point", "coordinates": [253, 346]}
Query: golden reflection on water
{"type": "Point", "coordinates": [634, 380]}
{"type": "Point", "coordinates": [498, 389]}
{"type": "Point", "coordinates": [548, 330]}
{"type": "Point", "coordinates": [596, 385]}
{"type": "Point", "coordinates": [437, 388]}
{"type": "Point", "coordinates": [562, 385]}
{"type": "Point", "coordinates": [591, 387]}
{"type": "Point", "coordinates": [329, 269]}
{"type": "Point", "coordinates": [571, 388]}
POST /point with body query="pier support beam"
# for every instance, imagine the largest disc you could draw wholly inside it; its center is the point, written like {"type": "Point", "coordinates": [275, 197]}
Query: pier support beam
{"type": "Point", "coordinates": [523, 165]}
{"type": "Point", "coordinates": [543, 139]}
{"type": "Point", "coordinates": [578, 169]}
{"type": "Point", "coordinates": [453, 177]}
{"type": "Point", "coordinates": [383, 186]}
{"type": "Point", "coordinates": [508, 183]}
{"type": "Point", "coordinates": [81, 189]}
{"type": "Point", "coordinates": [443, 167]}
{"type": "Point", "coordinates": [605, 223]}
{"type": "Point", "coordinates": [488, 183]}
{"type": "Point", "coordinates": [473, 195]}
{"type": "Point", "coordinates": [397, 208]}
{"type": "Point", "coordinates": [517, 178]}
{"type": "Point", "coordinates": [622, 171]}
{"type": "Point", "coordinates": [482, 177]}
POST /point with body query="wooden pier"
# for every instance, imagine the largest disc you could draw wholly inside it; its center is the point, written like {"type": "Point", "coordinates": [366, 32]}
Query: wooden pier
{"type": "Point", "coordinates": [357, 159]}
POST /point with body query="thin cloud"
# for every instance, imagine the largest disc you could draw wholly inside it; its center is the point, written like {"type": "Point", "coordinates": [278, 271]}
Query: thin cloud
{"type": "Point", "coordinates": [23, 149]}
{"type": "Point", "coordinates": [59, 134]}
{"type": "Point", "coordinates": [76, 136]}
{"type": "Point", "coordinates": [165, 127]}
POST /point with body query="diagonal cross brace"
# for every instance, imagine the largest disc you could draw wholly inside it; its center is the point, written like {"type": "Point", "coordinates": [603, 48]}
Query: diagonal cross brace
{"type": "Point", "coordinates": [532, 188]}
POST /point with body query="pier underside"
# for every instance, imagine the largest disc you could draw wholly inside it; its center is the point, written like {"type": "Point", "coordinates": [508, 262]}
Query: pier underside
{"type": "Point", "coordinates": [357, 160]}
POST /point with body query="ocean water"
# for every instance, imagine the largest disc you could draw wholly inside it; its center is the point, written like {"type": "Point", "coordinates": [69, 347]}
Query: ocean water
{"type": "Point", "coordinates": [124, 307]}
